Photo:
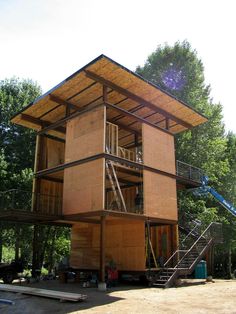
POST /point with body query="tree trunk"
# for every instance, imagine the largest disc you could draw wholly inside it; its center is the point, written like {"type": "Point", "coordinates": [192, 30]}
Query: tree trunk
{"type": "Point", "coordinates": [40, 241]}
{"type": "Point", "coordinates": [17, 243]}
{"type": "Point", "coordinates": [52, 248]}
{"type": "Point", "coordinates": [1, 244]}
{"type": "Point", "coordinates": [44, 243]}
{"type": "Point", "coordinates": [35, 257]}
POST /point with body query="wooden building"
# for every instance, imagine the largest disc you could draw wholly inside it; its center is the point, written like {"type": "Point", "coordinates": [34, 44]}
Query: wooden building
{"type": "Point", "coordinates": [105, 162]}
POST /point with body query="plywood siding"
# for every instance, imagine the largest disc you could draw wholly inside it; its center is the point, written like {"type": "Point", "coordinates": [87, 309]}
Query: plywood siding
{"type": "Point", "coordinates": [85, 135]}
{"type": "Point", "coordinates": [129, 195]}
{"type": "Point", "coordinates": [49, 198]}
{"type": "Point", "coordinates": [160, 199]}
{"type": "Point", "coordinates": [164, 240]}
{"type": "Point", "coordinates": [84, 187]}
{"type": "Point", "coordinates": [158, 149]}
{"type": "Point", "coordinates": [55, 153]}
{"type": "Point", "coordinates": [125, 245]}
{"type": "Point", "coordinates": [50, 153]}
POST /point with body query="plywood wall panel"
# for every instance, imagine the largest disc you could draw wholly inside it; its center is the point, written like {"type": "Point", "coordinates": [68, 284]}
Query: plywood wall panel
{"type": "Point", "coordinates": [85, 135]}
{"type": "Point", "coordinates": [84, 187]}
{"type": "Point", "coordinates": [49, 199]}
{"type": "Point", "coordinates": [160, 199]}
{"type": "Point", "coordinates": [158, 149]}
{"type": "Point", "coordinates": [55, 153]}
{"type": "Point", "coordinates": [125, 245]}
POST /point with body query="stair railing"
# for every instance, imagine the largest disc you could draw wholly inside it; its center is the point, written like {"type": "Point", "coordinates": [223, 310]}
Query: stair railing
{"type": "Point", "coordinates": [207, 235]}
{"type": "Point", "coordinates": [181, 247]}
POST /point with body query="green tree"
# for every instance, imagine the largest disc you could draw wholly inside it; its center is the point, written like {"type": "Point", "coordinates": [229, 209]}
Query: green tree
{"type": "Point", "coordinates": [16, 141]}
{"type": "Point", "coordinates": [16, 154]}
{"type": "Point", "coordinates": [178, 70]}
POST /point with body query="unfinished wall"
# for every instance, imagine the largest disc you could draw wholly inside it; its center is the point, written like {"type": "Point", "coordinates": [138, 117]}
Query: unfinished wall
{"type": "Point", "coordinates": [160, 199]}
{"type": "Point", "coordinates": [49, 198]}
{"type": "Point", "coordinates": [84, 184]}
{"type": "Point", "coordinates": [125, 245]}
{"type": "Point", "coordinates": [85, 135]}
{"type": "Point", "coordinates": [158, 149]}
{"type": "Point", "coordinates": [164, 240]}
{"type": "Point", "coordinates": [129, 195]}
{"type": "Point", "coordinates": [84, 187]}
{"type": "Point", "coordinates": [51, 153]}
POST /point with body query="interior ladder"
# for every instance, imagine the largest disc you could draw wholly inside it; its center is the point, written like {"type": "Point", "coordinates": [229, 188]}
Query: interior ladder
{"type": "Point", "coordinates": [115, 186]}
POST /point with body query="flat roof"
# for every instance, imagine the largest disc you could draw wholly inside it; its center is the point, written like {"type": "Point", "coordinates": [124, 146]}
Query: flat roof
{"type": "Point", "coordinates": [125, 89]}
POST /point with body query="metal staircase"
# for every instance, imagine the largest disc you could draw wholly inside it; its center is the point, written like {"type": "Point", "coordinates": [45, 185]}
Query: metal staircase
{"type": "Point", "coordinates": [192, 249]}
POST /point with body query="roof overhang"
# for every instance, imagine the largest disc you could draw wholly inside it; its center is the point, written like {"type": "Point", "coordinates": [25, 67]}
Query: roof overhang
{"type": "Point", "coordinates": [125, 89]}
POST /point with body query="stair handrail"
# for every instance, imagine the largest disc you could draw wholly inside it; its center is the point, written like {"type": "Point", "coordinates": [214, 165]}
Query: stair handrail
{"type": "Point", "coordinates": [201, 236]}
{"type": "Point", "coordinates": [177, 250]}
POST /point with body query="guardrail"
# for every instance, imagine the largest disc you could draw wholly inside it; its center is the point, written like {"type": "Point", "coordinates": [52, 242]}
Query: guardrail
{"type": "Point", "coordinates": [188, 171]}
{"type": "Point", "coordinates": [27, 201]}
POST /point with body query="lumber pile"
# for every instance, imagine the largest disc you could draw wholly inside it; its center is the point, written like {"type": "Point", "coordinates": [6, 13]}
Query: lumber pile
{"type": "Point", "coordinates": [61, 295]}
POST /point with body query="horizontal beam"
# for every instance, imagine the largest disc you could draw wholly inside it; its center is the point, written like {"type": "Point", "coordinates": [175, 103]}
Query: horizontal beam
{"type": "Point", "coordinates": [52, 179]}
{"type": "Point", "coordinates": [135, 117]}
{"type": "Point", "coordinates": [125, 127]}
{"type": "Point", "coordinates": [57, 139]}
{"type": "Point", "coordinates": [62, 102]}
{"type": "Point", "coordinates": [136, 98]}
{"type": "Point", "coordinates": [41, 123]}
{"type": "Point", "coordinates": [64, 120]}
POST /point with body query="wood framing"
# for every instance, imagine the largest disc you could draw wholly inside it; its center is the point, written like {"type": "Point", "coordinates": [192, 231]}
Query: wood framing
{"type": "Point", "coordinates": [136, 98]}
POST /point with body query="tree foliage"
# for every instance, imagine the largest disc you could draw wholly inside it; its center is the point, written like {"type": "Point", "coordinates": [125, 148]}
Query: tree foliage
{"type": "Point", "coordinates": [178, 70]}
{"type": "Point", "coordinates": [17, 145]}
{"type": "Point", "coordinates": [16, 142]}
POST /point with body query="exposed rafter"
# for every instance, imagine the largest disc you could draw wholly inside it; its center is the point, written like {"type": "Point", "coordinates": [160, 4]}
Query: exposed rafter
{"type": "Point", "coordinates": [58, 123]}
{"type": "Point", "coordinates": [135, 117]}
{"type": "Point", "coordinates": [125, 127]}
{"type": "Point", "coordinates": [41, 123]}
{"type": "Point", "coordinates": [136, 98]}
{"type": "Point", "coordinates": [62, 102]}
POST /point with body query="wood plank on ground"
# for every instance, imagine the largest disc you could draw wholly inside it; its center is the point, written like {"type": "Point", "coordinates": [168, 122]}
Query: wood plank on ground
{"type": "Point", "coordinates": [61, 295]}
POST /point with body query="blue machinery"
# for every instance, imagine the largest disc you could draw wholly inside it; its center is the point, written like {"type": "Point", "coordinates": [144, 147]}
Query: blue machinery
{"type": "Point", "coordinates": [205, 189]}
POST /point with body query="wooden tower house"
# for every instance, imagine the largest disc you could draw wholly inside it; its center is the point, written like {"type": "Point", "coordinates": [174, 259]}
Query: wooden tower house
{"type": "Point", "coordinates": [105, 163]}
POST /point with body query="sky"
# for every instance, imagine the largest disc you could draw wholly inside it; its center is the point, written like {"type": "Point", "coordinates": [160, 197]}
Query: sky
{"type": "Point", "coordinates": [48, 40]}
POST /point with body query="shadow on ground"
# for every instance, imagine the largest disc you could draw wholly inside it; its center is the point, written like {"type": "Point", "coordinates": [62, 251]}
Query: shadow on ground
{"type": "Point", "coordinates": [36, 305]}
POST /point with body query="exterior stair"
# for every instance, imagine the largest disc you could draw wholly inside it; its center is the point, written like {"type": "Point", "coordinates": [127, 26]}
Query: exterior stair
{"type": "Point", "coordinates": [188, 255]}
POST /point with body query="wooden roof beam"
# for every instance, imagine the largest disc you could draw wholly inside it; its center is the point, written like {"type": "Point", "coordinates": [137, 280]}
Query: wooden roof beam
{"type": "Point", "coordinates": [136, 98]}
{"type": "Point", "coordinates": [125, 127]}
{"type": "Point", "coordinates": [41, 123]}
{"type": "Point", "coordinates": [135, 117]}
{"type": "Point", "coordinates": [62, 102]}
{"type": "Point", "coordinates": [58, 123]}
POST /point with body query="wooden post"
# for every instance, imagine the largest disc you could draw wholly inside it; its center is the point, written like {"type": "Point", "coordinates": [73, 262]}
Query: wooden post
{"type": "Point", "coordinates": [167, 124]}
{"type": "Point", "coordinates": [174, 241]}
{"type": "Point", "coordinates": [38, 165]}
{"type": "Point", "coordinates": [102, 249]}
{"type": "Point", "coordinates": [148, 246]}
{"type": "Point", "coordinates": [104, 91]}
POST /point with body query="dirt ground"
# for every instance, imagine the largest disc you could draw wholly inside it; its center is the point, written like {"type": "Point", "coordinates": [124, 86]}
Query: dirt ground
{"type": "Point", "coordinates": [194, 296]}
